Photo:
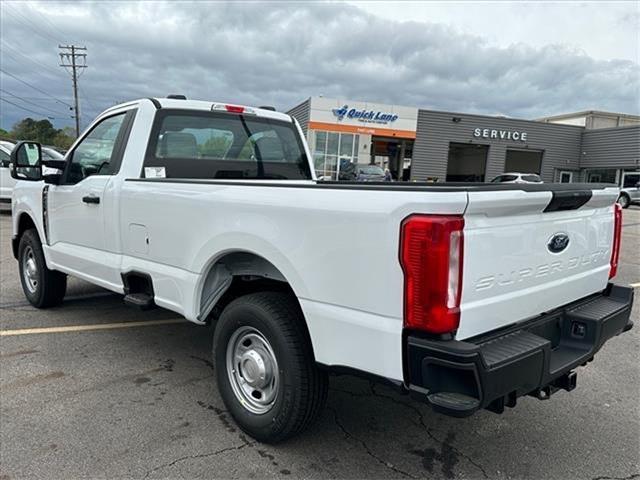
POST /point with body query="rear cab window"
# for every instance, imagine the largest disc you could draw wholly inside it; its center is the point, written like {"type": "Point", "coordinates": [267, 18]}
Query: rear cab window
{"type": "Point", "coordinates": [192, 144]}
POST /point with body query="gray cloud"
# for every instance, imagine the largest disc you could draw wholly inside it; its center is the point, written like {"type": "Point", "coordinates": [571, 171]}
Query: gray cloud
{"type": "Point", "coordinates": [279, 54]}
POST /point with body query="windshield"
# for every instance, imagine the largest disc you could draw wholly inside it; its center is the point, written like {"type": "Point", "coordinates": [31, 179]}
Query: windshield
{"type": "Point", "coordinates": [208, 145]}
{"type": "Point", "coordinates": [371, 170]}
{"type": "Point", "coordinates": [531, 178]}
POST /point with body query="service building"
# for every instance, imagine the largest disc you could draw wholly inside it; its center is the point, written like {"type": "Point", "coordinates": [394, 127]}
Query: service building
{"type": "Point", "coordinates": [426, 145]}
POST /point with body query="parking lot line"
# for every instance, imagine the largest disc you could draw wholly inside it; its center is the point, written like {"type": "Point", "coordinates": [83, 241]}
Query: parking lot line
{"type": "Point", "coordinates": [635, 285]}
{"type": "Point", "coordinates": [84, 328]}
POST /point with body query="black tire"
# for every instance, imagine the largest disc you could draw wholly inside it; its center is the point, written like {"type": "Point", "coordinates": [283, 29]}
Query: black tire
{"type": "Point", "coordinates": [302, 389]}
{"type": "Point", "coordinates": [624, 200]}
{"type": "Point", "coordinates": [47, 287]}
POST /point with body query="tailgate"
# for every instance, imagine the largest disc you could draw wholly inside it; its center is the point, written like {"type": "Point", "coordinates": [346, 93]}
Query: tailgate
{"type": "Point", "coordinates": [516, 263]}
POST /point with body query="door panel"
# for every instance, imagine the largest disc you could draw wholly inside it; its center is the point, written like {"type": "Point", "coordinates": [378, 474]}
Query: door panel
{"type": "Point", "coordinates": [76, 207]}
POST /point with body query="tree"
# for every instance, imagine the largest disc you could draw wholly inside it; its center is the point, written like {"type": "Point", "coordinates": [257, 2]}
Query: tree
{"type": "Point", "coordinates": [36, 130]}
{"type": "Point", "coordinates": [4, 134]}
{"type": "Point", "coordinates": [41, 131]}
{"type": "Point", "coordinates": [64, 138]}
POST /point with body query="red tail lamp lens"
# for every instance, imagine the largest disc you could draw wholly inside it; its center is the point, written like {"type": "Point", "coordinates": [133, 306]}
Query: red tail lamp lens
{"type": "Point", "coordinates": [431, 258]}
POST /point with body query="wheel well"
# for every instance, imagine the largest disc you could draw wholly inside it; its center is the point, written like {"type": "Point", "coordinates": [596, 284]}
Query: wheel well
{"type": "Point", "coordinates": [25, 222]}
{"type": "Point", "coordinates": [236, 274]}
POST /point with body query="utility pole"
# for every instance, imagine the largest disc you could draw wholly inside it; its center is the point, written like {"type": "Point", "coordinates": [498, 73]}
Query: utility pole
{"type": "Point", "coordinates": [76, 61]}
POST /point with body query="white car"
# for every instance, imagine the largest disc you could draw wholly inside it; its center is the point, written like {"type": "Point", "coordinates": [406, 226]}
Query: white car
{"type": "Point", "coordinates": [517, 178]}
{"type": "Point", "coordinates": [479, 294]}
{"type": "Point", "coordinates": [6, 182]}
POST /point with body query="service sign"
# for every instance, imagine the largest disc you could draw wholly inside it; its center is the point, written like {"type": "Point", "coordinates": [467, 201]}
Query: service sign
{"type": "Point", "coordinates": [492, 133]}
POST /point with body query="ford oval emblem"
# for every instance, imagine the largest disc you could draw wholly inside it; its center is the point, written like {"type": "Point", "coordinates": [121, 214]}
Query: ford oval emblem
{"type": "Point", "coordinates": [558, 242]}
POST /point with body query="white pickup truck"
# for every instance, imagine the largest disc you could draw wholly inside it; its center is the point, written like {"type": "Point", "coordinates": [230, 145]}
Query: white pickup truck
{"type": "Point", "coordinates": [468, 296]}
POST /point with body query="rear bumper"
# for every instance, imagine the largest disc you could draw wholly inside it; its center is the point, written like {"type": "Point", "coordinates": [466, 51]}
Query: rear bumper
{"type": "Point", "coordinates": [536, 358]}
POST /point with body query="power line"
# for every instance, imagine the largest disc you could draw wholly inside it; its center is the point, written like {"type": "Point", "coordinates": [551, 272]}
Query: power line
{"type": "Point", "coordinates": [35, 62]}
{"type": "Point", "coordinates": [84, 95]}
{"type": "Point", "coordinates": [29, 102]}
{"type": "Point", "coordinates": [27, 109]}
{"type": "Point", "coordinates": [24, 22]}
{"type": "Point", "coordinates": [50, 25]}
{"type": "Point", "coordinates": [35, 88]}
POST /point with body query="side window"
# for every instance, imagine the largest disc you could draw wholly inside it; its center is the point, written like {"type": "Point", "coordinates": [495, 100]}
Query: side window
{"type": "Point", "coordinates": [4, 159]}
{"type": "Point", "coordinates": [94, 154]}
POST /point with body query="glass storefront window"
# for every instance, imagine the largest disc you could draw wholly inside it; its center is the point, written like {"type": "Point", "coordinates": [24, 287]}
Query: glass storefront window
{"type": "Point", "coordinates": [332, 143]}
{"type": "Point", "coordinates": [331, 146]}
{"type": "Point", "coordinates": [346, 145]}
{"type": "Point", "coordinates": [320, 143]}
{"type": "Point", "coordinates": [602, 175]}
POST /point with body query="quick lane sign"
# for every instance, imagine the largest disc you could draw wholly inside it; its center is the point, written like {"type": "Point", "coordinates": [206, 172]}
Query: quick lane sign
{"type": "Point", "coordinates": [491, 133]}
{"type": "Point", "coordinates": [362, 115]}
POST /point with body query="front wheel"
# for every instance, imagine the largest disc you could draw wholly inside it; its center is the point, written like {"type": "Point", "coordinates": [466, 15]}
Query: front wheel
{"type": "Point", "coordinates": [266, 371]}
{"type": "Point", "coordinates": [42, 287]}
{"type": "Point", "coordinates": [624, 200]}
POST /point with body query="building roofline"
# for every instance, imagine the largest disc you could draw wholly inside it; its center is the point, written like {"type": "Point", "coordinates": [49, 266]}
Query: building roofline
{"type": "Point", "coordinates": [608, 129]}
{"type": "Point", "coordinates": [585, 113]}
{"type": "Point", "coordinates": [497, 117]}
{"type": "Point", "coordinates": [344, 99]}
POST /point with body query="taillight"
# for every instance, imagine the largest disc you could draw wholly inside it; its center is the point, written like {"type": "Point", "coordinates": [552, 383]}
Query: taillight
{"type": "Point", "coordinates": [431, 249]}
{"type": "Point", "coordinates": [617, 235]}
{"type": "Point", "coordinates": [232, 108]}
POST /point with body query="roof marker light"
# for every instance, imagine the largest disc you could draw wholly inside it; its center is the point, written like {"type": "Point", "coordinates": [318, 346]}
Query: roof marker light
{"type": "Point", "coordinates": [232, 108]}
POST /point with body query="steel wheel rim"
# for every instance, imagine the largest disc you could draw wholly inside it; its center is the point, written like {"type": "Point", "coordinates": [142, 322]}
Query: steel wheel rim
{"type": "Point", "coordinates": [30, 270]}
{"type": "Point", "coordinates": [252, 369]}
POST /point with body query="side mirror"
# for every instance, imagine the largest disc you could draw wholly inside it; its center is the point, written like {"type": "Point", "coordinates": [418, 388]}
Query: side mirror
{"type": "Point", "coordinates": [26, 161]}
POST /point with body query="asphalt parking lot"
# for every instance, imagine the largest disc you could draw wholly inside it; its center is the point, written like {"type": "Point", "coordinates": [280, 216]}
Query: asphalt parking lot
{"type": "Point", "coordinates": [130, 401]}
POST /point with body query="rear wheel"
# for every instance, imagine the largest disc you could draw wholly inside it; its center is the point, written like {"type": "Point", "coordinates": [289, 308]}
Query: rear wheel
{"type": "Point", "coordinates": [624, 200]}
{"type": "Point", "coordinates": [42, 287]}
{"type": "Point", "coordinates": [266, 371]}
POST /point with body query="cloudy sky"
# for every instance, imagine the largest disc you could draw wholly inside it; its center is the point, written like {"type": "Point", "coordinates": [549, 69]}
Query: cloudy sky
{"type": "Point", "coordinates": [520, 59]}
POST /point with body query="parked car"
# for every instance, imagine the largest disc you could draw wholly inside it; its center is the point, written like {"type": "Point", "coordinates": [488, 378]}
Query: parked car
{"type": "Point", "coordinates": [370, 173]}
{"type": "Point", "coordinates": [468, 305]}
{"type": "Point", "coordinates": [6, 182]}
{"type": "Point", "coordinates": [517, 178]}
{"type": "Point", "coordinates": [348, 171]}
{"type": "Point", "coordinates": [629, 195]}
{"type": "Point", "coordinates": [50, 153]}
